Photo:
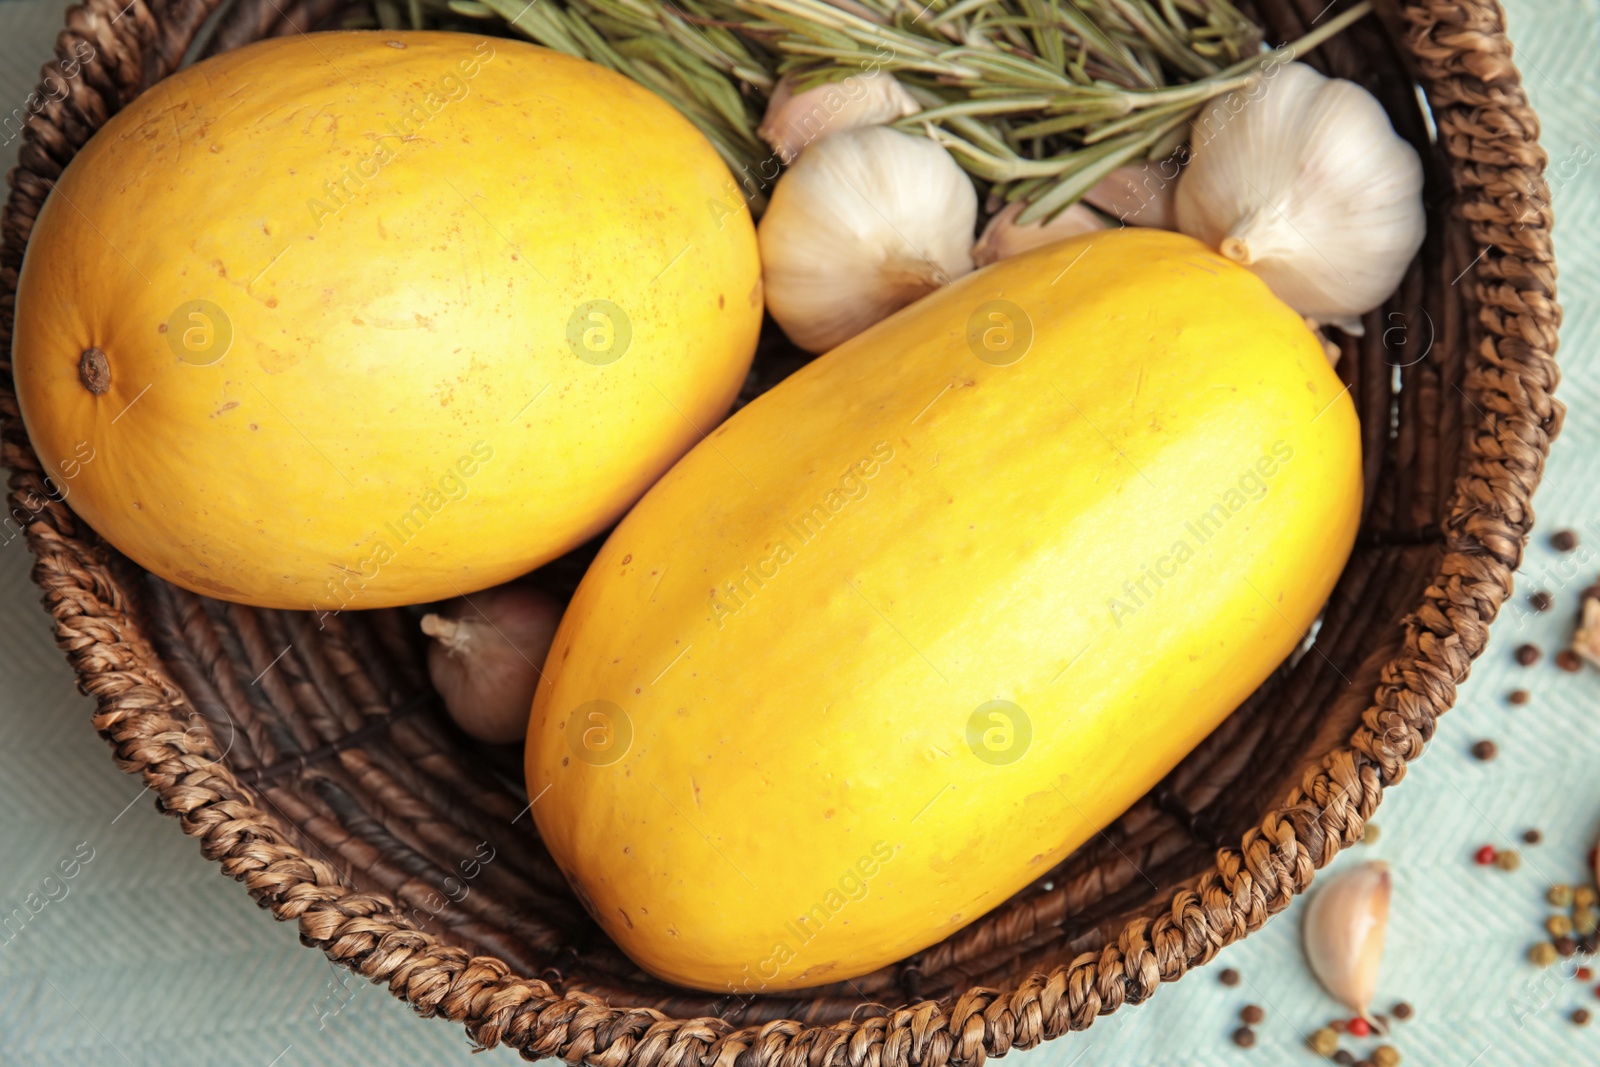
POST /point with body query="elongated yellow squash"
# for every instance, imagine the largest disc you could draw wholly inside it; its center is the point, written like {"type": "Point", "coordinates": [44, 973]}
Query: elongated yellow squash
{"type": "Point", "coordinates": [363, 319]}
{"type": "Point", "coordinates": [918, 622]}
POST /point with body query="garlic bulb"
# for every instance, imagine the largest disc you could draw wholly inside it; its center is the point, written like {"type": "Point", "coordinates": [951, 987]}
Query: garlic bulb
{"type": "Point", "coordinates": [794, 120]}
{"type": "Point", "coordinates": [1004, 238]}
{"type": "Point", "coordinates": [865, 222]}
{"type": "Point", "coordinates": [1345, 925]}
{"type": "Point", "coordinates": [1306, 184]}
{"type": "Point", "coordinates": [1139, 194]}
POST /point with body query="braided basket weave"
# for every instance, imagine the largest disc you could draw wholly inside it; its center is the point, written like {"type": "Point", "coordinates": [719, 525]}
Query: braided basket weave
{"type": "Point", "coordinates": [310, 760]}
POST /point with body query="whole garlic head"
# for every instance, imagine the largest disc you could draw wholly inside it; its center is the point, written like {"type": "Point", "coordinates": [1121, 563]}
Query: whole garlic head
{"type": "Point", "coordinates": [794, 120]}
{"type": "Point", "coordinates": [1303, 181]}
{"type": "Point", "coordinates": [864, 223]}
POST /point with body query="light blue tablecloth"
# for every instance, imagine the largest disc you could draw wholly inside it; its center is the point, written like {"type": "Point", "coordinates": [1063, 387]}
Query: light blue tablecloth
{"type": "Point", "coordinates": [149, 956]}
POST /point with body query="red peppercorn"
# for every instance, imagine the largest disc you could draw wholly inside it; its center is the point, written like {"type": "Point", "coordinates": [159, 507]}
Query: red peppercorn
{"type": "Point", "coordinates": [1584, 974]}
{"type": "Point", "coordinates": [1485, 855]}
{"type": "Point", "coordinates": [1359, 1027]}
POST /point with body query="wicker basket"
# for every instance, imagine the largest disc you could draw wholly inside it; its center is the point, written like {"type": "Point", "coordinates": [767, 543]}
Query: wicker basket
{"type": "Point", "coordinates": [310, 760]}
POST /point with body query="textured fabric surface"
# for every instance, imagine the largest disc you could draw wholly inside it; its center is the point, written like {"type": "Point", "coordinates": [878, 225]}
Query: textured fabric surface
{"type": "Point", "coordinates": [147, 955]}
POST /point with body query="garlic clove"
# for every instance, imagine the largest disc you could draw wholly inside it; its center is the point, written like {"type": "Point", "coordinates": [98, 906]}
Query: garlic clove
{"type": "Point", "coordinates": [1003, 237]}
{"type": "Point", "coordinates": [1303, 181]}
{"type": "Point", "coordinates": [794, 120]}
{"type": "Point", "coordinates": [1345, 924]}
{"type": "Point", "coordinates": [1138, 195]}
{"type": "Point", "coordinates": [1586, 640]}
{"type": "Point", "coordinates": [1329, 349]}
{"type": "Point", "coordinates": [485, 657]}
{"type": "Point", "coordinates": [864, 223]}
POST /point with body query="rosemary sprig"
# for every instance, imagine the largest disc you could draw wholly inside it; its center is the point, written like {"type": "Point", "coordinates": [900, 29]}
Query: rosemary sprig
{"type": "Point", "coordinates": [1039, 99]}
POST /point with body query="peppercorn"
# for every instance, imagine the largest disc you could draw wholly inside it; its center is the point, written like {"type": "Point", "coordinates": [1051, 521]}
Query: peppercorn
{"type": "Point", "coordinates": [1371, 833]}
{"type": "Point", "coordinates": [1581, 1016]}
{"type": "Point", "coordinates": [1402, 1011]}
{"type": "Point", "coordinates": [1485, 750]}
{"type": "Point", "coordinates": [1566, 946]}
{"type": "Point", "coordinates": [1558, 925]}
{"type": "Point", "coordinates": [1540, 601]}
{"type": "Point", "coordinates": [1386, 1056]}
{"type": "Point", "coordinates": [1584, 897]}
{"type": "Point", "coordinates": [1585, 921]}
{"type": "Point", "coordinates": [1532, 837]}
{"type": "Point", "coordinates": [1365, 1063]}
{"type": "Point", "coordinates": [1229, 977]}
{"type": "Point", "coordinates": [1563, 540]}
{"type": "Point", "coordinates": [1484, 856]}
{"type": "Point", "coordinates": [1560, 896]}
{"type": "Point", "coordinates": [1543, 954]}
{"type": "Point", "coordinates": [1359, 1027]}
{"type": "Point", "coordinates": [1343, 1058]}
{"type": "Point", "coordinates": [1244, 1037]}
{"type": "Point", "coordinates": [1527, 655]}
{"type": "Point", "coordinates": [1252, 1014]}
{"type": "Point", "coordinates": [1569, 661]}
{"type": "Point", "coordinates": [1508, 860]}
{"type": "Point", "coordinates": [1339, 1026]}
{"type": "Point", "coordinates": [1324, 1042]}
{"type": "Point", "coordinates": [1583, 974]}
{"type": "Point", "coordinates": [1517, 696]}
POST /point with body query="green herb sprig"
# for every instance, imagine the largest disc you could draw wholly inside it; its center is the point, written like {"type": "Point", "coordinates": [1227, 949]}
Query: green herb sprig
{"type": "Point", "coordinates": [1038, 99]}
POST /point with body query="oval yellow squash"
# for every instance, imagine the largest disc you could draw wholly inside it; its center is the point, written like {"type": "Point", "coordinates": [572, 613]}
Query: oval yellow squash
{"type": "Point", "coordinates": [918, 622]}
{"type": "Point", "coordinates": [362, 319]}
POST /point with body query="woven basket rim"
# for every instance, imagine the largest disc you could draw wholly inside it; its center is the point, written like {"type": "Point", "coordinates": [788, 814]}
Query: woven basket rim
{"type": "Point", "coordinates": [1462, 58]}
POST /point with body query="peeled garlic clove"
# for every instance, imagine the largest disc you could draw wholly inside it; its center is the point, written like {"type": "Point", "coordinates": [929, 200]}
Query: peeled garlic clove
{"type": "Point", "coordinates": [794, 120]}
{"type": "Point", "coordinates": [864, 223]}
{"type": "Point", "coordinates": [1138, 195]}
{"type": "Point", "coordinates": [1004, 238]}
{"type": "Point", "coordinates": [1302, 180]}
{"type": "Point", "coordinates": [1344, 929]}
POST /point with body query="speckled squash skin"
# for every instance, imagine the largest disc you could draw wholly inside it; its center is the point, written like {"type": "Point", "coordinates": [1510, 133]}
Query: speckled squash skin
{"type": "Point", "coordinates": [381, 317]}
{"type": "Point", "coordinates": [921, 620]}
